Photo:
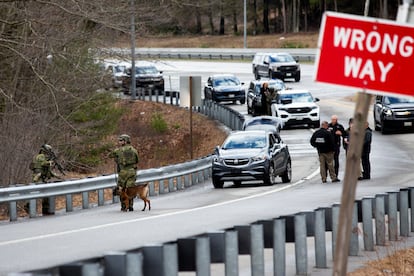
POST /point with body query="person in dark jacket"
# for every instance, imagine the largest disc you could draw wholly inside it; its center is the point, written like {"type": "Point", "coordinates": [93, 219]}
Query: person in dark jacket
{"type": "Point", "coordinates": [366, 150]}
{"type": "Point", "coordinates": [323, 141]}
{"type": "Point", "coordinates": [338, 132]}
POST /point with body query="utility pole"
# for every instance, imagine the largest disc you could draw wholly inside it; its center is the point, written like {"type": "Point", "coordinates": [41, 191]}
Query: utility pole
{"type": "Point", "coordinates": [244, 25]}
{"type": "Point", "coordinates": [133, 88]}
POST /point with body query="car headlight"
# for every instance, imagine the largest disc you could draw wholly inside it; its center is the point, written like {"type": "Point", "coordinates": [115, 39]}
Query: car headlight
{"type": "Point", "coordinates": [314, 107]}
{"type": "Point", "coordinates": [387, 112]}
{"type": "Point", "coordinates": [217, 159]}
{"type": "Point", "coordinates": [259, 158]}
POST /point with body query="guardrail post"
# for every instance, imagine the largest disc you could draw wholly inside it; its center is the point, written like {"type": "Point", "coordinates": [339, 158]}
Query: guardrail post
{"type": "Point", "coordinates": [353, 241]}
{"type": "Point", "coordinates": [392, 216]}
{"type": "Point", "coordinates": [187, 181]}
{"type": "Point", "coordinates": [69, 203]}
{"type": "Point", "coordinates": [85, 200]}
{"type": "Point", "coordinates": [134, 264]}
{"type": "Point", "coordinates": [101, 197]}
{"type": "Point", "coordinates": [161, 260]}
{"type": "Point", "coordinates": [13, 210]}
{"type": "Point", "coordinates": [152, 189]}
{"type": "Point", "coordinates": [367, 224]}
{"type": "Point", "coordinates": [320, 240]}
{"type": "Point", "coordinates": [231, 265]}
{"type": "Point", "coordinates": [179, 183]}
{"type": "Point", "coordinates": [279, 247]}
{"type": "Point", "coordinates": [32, 206]}
{"type": "Point", "coordinates": [380, 219]}
{"type": "Point", "coordinates": [171, 187]}
{"type": "Point", "coordinates": [301, 251]}
{"type": "Point", "coordinates": [250, 239]}
{"type": "Point", "coordinates": [115, 264]}
{"type": "Point", "coordinates": [161, 189]}
{"type": "Point", "coordinates": [335, 220]}
{"type": "Point", "coordinates": [403, 207]}
{"type": "Point", "coordinates": [194, 255]}
{"type": "Point", "coordinates": [257, 250]}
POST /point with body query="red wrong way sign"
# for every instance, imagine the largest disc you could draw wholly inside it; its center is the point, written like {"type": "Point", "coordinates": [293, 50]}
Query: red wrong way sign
{"type": "Point", "coordinates": [366, 53]}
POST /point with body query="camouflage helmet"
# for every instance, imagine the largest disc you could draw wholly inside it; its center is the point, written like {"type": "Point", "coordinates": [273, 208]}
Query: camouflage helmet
{"type": "Point", "coordinates": [46, 148]}
{"type": "Point", "coordinates": [124, 137]}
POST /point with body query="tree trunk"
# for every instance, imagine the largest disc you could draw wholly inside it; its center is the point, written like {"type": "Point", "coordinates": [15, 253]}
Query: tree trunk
{"type": "Point", "coordinates": [266, 16]}
{"type": "Point", "coordinates": [255, 24]}
{"type": "Point", "coordinates": [284, 16]}
{"type": "Point", "coordinates": [235, 28]}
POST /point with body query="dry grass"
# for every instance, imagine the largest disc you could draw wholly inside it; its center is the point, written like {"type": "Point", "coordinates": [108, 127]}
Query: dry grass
{"type": "Point", "coordinates": [299, 40]}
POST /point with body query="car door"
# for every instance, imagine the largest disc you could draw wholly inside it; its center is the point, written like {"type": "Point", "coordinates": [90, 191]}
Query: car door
{"type": "Point", "coordinates": [280, 153]}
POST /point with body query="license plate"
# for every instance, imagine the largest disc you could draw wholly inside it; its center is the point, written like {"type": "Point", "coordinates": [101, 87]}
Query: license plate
{"type": "Point", "coordinates": [288, 74]}
{"type": "Point", "coordinates": [231, 95]}
{"type": "Point", "coordinates": [408, 124]}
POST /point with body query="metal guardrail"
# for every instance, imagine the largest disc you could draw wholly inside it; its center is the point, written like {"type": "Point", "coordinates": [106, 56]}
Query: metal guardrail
{"type": "Point", "coordinates": [161, 180]}
{"type": "Point", "coordinates": [377, 221]}
{"type": "Point", "coordinates": [302, 54]}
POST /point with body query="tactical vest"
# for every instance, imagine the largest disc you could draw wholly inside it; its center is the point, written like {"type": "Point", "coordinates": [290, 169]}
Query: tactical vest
{"type": "Point", "coordinates": [127, 157]}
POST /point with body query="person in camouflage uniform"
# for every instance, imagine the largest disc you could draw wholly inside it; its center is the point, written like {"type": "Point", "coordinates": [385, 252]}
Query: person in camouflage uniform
{"type": "Point", "coordinates": [42, 171]}
{"type": "Point", "coordinates": [126, 158]}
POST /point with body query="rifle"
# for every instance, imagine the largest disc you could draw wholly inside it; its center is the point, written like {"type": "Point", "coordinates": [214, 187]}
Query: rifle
{"type": "Point", "coordinates": [52, 156]}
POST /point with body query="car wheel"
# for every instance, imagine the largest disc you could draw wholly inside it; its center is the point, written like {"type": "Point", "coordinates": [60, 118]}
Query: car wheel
{"type": "Point", "coordinates": [270, 178]}
{"type": "Point", "coordinates": [316, 124]}
{"type": "Point", "coordinates": [384, 130]}
{"type": "Point", "coordinates": [218, 184]}
{"type": "Point", "coordinates": [237, 183]}
{"type": "Point", "coordinates": [297, 77]}
{"type": "Point", "coordinates": [242, 101]}
{"type": "Point", "coordinates": [287, 175]}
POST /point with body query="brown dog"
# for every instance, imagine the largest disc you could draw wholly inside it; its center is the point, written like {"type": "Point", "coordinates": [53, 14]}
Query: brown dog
{"type": "Point", "coordinates": [141, 191]}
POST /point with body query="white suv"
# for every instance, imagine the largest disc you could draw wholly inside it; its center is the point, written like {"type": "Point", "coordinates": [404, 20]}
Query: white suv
{"type": "Point", "coordinates": [296, 107]}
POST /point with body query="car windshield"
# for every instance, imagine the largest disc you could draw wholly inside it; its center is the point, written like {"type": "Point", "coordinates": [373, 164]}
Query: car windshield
{"type": "Point", "coordinates": [146, 70]}
{"type": "Point", "coordinates": [245, 142]}
{"type": "Point", "coordinates": [281, 58]}
{"type": "Point", "coordinates": [260, 122]}
{"type": "Point", "coordinates": [297, 97]}
{"type": "Point", "coordinates": [226, 81]}
{"type": "Point", "coordinates": [396, 100]}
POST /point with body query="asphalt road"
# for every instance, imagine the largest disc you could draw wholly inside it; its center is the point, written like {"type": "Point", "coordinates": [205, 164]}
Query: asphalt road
{"type": "Point", "coordinates": [48, 241]}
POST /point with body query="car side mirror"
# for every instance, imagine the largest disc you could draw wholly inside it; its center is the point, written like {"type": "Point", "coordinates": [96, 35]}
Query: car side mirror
{"type": "Point", "coordinates": [316, 100]}
{"type": "Point", "coordinates": [216, 150]}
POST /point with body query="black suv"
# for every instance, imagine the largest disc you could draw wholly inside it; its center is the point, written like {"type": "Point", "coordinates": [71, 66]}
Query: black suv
{"type": "Point", "coordinates": [276, 65]}
{"type": "Point", "coordinates": [146, 76]}
{"type": "Point", "coordinates": [393, 113]}
{"type": "Point", "coordinates": [225, 88]}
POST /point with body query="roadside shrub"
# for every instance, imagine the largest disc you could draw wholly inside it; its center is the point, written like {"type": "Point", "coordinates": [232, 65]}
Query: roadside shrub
{"type": "Point", "coordinates": [158, 123]}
